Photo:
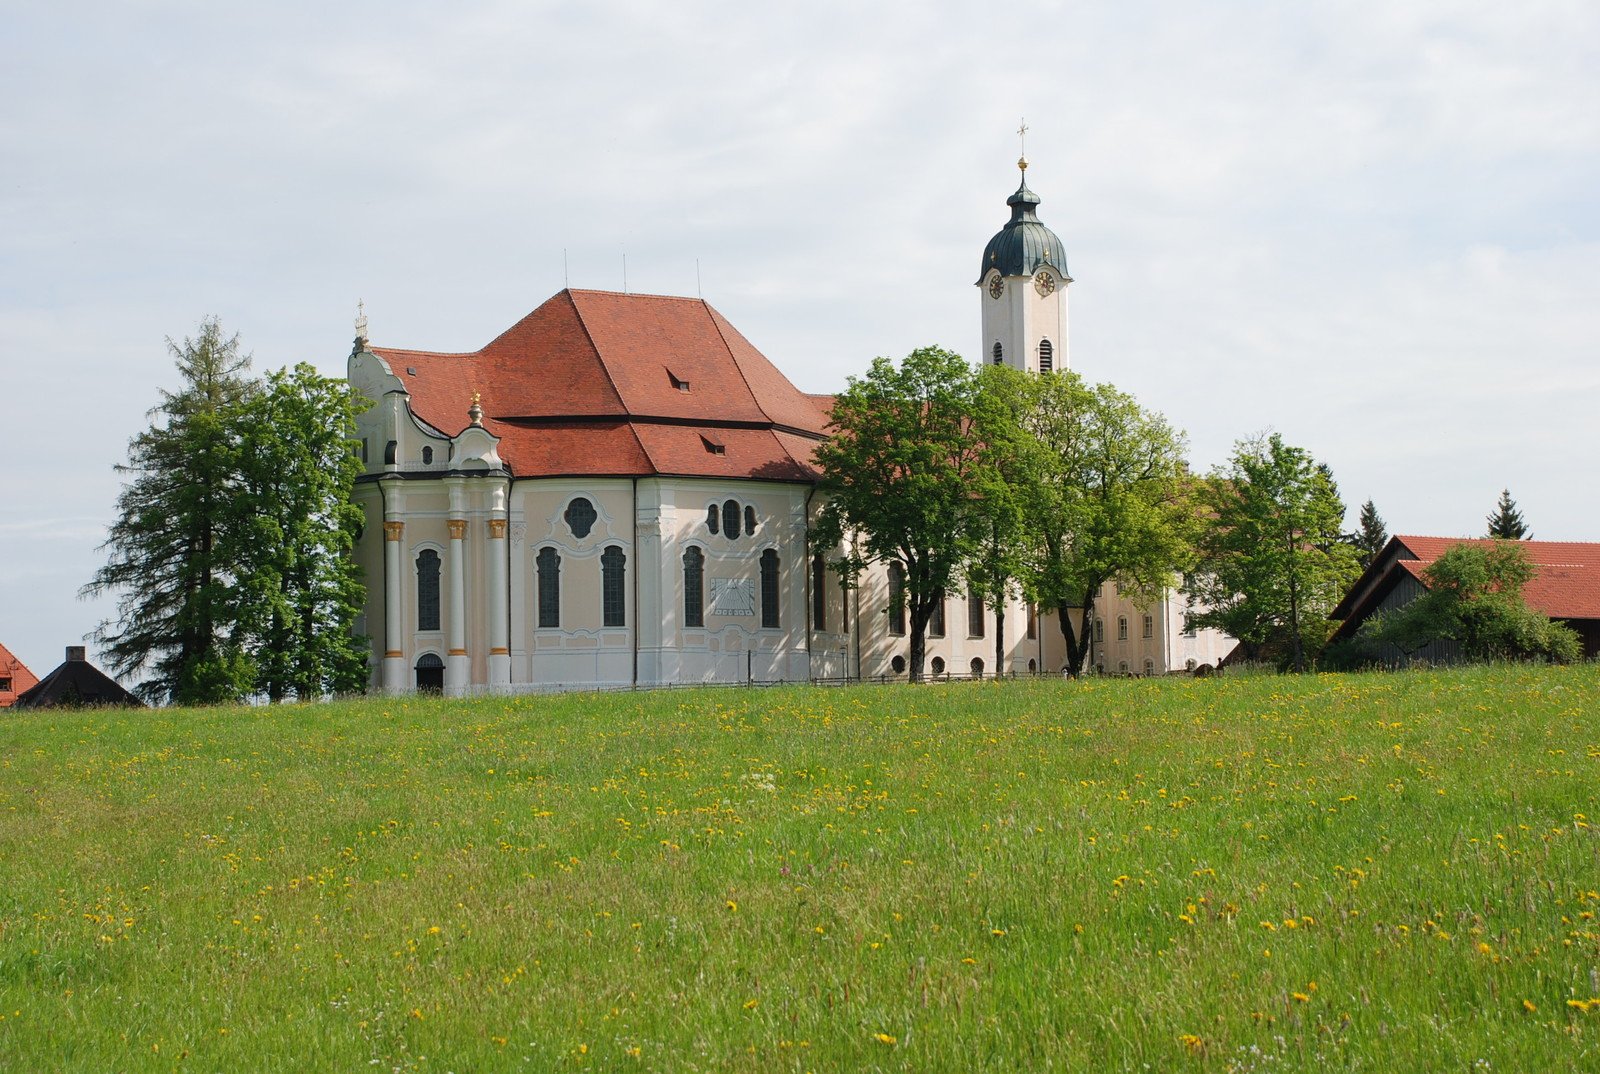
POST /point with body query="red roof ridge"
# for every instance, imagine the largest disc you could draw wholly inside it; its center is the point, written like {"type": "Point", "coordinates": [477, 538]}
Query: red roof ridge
{"type": "Point", "coordinates": [716, 323]}
{"type": "Point", "coordinates": [605, 367]}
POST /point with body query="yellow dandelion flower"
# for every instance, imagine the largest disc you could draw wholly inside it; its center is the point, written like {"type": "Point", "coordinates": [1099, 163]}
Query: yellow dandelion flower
{"type": "Point", "coordinates": [1192, 1044]}
{"type": "Point", "coordinates": [733, 907]}
{"type": "Point", "coordinates": [433, 930]}
{"type": "Point", "coordinates": [884, 1038]}
{"type": "Point", "coordinates": [997, 932]}
{"type": "Point", "coordinates": [969, 962]}
{"type": "Point", "coordinates": [416, 1012]}
{"type": "Point", "coordinates": [1528, 1006]}
{"type": "Point", "coordinates": [1300, 997]}
{"type": "Point", "coordinates": [750, 1004]}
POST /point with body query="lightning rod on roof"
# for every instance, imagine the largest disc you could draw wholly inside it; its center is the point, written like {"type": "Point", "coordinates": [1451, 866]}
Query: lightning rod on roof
{"type": "Point", "coordinates": [565, 281]}
{"type": "Point", "coordinates": [624, 272]}
{"type": "Point", "coordinates": [701, 295]}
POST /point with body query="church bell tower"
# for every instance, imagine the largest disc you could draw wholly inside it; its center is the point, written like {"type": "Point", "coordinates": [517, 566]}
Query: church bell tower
{"type": "Point", "coordinates": [1023, 287]}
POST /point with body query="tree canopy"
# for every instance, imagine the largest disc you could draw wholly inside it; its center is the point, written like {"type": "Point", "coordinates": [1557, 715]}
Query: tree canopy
{"type": "Point", "coordinates": [898, 474]}
{"type": "Point", "coordinates": [1273, 562]}
{"type": "Point", "coordinates": [1104, 496]}
{"type": "Point", "coordinates": [228, 552]}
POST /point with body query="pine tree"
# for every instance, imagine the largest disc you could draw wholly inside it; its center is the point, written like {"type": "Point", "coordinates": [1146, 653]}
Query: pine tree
{"type": "Point", "coordinates": [1506, 522]}
{"type": "Point", "coordinates": [1371, 537]}
{"type": "Point", "coordinates": [167, 544]}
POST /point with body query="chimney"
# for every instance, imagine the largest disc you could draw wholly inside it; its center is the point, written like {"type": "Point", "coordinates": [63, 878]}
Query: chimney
{"type": "Point", "coordinates": [75, 654]}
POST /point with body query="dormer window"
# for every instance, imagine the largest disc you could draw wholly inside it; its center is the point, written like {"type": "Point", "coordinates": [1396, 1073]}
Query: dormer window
{"type": "Point", "coordinates": [411, 370]}
{"type": "Point", "coordinates": [677, 381]}
{"type": "Point", "coordinates": [427, 456]}
{"type": "Point", "coordinates": [712, 447]}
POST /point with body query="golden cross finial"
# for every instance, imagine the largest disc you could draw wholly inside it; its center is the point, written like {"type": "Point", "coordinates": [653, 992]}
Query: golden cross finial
{"type": "Point", "coordinates": [1022, 137]}
{"type": "Point", "coordinates": [361, 319]}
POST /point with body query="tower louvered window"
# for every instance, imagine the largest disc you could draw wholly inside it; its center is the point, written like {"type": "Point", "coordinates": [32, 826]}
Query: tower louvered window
{"type": "Point", "coordinates": [1047, 356]}
{"type": "Point", "coordinates": [999, 354]}
{"type": "Point", "coordinates": [694, 588]}
{"type": "Point", "coordinates": [613, 602]}
{"type": "Point", "coordinates": [549, 568]}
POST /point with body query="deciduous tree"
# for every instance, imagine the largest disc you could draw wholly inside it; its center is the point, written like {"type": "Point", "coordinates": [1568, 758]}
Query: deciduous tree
{"type": "Point", "coordinates": [1105, 498]}
{"type": "Point", "coordinates": [299, 590]}
{"type": "Point", "coordinates": [898, 475]}
{"type": "Point", "coordinates": [1273, 562]}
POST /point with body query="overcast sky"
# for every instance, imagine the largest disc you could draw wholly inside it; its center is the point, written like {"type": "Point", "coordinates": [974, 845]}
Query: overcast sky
{"type": "Point", "coordinates": [1370, 226]}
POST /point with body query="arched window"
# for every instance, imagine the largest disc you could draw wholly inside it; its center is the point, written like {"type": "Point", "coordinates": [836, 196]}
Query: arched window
{"type": "Point", "coordinates": [427, 590]}
{"type": "Point", "coordinates": [819, 592]}
{"type": "Point", "coordinates": [976, 667]}
{"type": "Point", "coordinates": [1033, 667]}
{"type": "Point", "coordinates": [974, 612]}
{"type": "Point", "coordinates": [1033, 621]}
{"type": "Point", "coordinates": [1047, 356]}
{"type": "Point", "coordinates": [938, 666]}
{"type": "Point", "coordinates": [430, 674]}
{"type": "Point", "coordinates": [1122, 629]}
{"type": "Point", "coordinates": [897, 599]}
{"type": "Point", "coordinates": [580, 516]}
{"type": "Point", "coordinates": [750, 520]}
{"type": "Point", "coordinates": [1149, 667]}
{"type": "Point", "coordinates": [694, 587]}
{"type": "Point", "coordinates": [549, 567]}
{"type": "Point", "coordinates": [713, 518]}
{"type": "Point", "coordinates": [1099, 630]}
{"type": "Point", "coordinates": [769, 589]}
{"type": "Point", "coordinates": [1149, 626]}
{"type": "Point", "coordinates": [999, 353]}
{"type": "Point", "coordinates": [613, 602]}
{"type": "Point", "coordinates": [730, 520]}
{"type": "Point", "coordinates": [898, 665]}
{"type": "Point", "coordinates": [1122, 667]}
{"type": "Point", "coordinates": [936, 620]}
{"type": "Point", "coordinates": [390, 451]}
{"type": "Point", "coordinates": [427, 456]}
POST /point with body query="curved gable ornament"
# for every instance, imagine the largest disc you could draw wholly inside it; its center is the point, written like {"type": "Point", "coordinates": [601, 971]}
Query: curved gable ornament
{"type": "Point", "coordinates": [476, 448]}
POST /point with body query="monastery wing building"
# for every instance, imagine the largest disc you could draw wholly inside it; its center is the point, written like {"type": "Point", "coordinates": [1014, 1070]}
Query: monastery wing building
{"type": "Point", "coordinates": [616, 491]}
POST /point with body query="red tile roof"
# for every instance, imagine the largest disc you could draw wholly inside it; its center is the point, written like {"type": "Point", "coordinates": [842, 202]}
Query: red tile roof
{"type": "Point", "coordinates": [21, 678]}
{"type": "Point", "coordinates": [1566, 584]}
{"type": "Point", "coordinates": [594, 382]}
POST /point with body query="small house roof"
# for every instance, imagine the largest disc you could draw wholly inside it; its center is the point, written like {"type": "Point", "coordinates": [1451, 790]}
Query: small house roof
{"type": "Point", "coordinates": [76, 684]}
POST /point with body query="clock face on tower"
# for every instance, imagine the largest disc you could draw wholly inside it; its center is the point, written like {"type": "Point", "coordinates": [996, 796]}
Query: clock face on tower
{"type": "Point", "coordinates": [1044, 283]}
{"type": "Point", "coordinates": [996, 286]}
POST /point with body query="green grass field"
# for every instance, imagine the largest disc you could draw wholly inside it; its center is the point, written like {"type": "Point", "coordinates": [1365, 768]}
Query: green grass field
{"type": "Point", "coordinates": [1350, 872]}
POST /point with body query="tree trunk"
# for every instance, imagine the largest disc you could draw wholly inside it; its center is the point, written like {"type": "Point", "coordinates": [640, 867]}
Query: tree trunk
{"type": "Point", "coordinates": [1000, 641]}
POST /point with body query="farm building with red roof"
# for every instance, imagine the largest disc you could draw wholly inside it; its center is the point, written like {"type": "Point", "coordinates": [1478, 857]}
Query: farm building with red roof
{"type": "Point", "coordinates": [15, 678]}
{"type": "Point", "coordinates": [1565, 586]}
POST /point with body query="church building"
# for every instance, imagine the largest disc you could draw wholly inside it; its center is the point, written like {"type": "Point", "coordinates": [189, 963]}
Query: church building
{"type": "Point", "coordinates": [617, 491]}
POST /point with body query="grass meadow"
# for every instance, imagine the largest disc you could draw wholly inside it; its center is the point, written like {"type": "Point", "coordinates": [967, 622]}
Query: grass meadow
{"type": "Point", "coordinates": [1380, 872]}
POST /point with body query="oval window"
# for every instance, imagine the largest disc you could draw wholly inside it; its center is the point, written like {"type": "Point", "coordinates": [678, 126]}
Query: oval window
{"type": "Point", "coordinates": [580, 517]}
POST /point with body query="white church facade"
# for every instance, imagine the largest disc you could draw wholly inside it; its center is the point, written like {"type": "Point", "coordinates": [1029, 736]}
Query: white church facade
{"type": "Point", "coordinates": [617, 491]}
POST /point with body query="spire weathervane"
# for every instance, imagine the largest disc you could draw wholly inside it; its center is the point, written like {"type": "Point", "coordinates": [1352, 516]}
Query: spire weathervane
{"type": "Point", "coordinates": [1022, 137]}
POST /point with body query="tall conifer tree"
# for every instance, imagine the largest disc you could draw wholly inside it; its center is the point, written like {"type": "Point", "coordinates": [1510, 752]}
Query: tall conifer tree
{"type": "Point", "coordinates": [167, 545]}
{"type": "Point", "coordinates": [1506, 522]}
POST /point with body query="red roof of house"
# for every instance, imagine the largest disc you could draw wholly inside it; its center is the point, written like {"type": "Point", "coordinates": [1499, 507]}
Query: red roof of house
{"type": "Point", "coordinates": [595, 382]}
{"type": "Point", "coordinates": [1566, 584]}
{"type": "Point", "coordinates": [21, 678]}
